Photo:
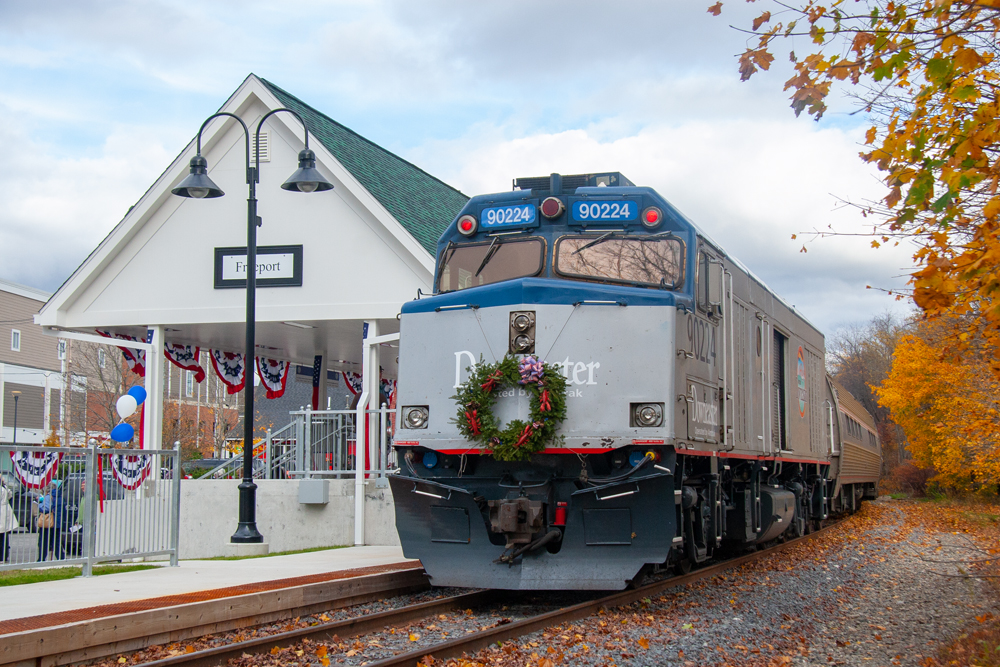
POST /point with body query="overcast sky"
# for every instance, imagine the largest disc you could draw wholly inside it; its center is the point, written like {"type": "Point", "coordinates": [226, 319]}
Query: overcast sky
{"type": "Point", "coordinates": [97, 98]}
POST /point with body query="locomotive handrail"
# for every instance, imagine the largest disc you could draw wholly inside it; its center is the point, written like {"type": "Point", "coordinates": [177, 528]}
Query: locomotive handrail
{"type": "Point", "coordinates": [588, 302]}
{"type": "Point", "coordinates": [619, 484]}
{"type": "Point", "coordinates": [457, 306]}
{"type": "Point", "coordinates": [619, 495]}
{"type": "Point", "coordinates": [624, 475]}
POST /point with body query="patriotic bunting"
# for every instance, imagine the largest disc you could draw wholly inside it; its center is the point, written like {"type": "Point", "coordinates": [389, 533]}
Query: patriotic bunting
{"type": "Point", "coordinates": [35, 469]}
{"type": "Point", "coordinates": [273, 375]}
{"type": "Point", "coordinates": [186, 357]}
{"type": "Point", "coordinates": [230, 368]}
{"type": "Point", "coordinates": [130, 469]}
{"type": "Point", "coordinates": [353, 381]}
{"type": "Point", "coordinates": [136, 359]}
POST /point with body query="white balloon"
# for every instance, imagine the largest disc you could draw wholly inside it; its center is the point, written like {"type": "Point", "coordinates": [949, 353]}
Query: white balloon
{"type": "Point", "coordinates": [125, 406]}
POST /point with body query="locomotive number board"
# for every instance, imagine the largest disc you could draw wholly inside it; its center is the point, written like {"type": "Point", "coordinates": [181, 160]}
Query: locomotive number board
{"type": "Point", "coordinates": [518, 215]}
{"type": "Point", "coordinates": [618, 210]}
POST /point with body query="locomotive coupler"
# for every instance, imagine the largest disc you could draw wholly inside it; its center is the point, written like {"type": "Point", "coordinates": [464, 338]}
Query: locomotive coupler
{"type": "Point", "coordinates": [518, 519]}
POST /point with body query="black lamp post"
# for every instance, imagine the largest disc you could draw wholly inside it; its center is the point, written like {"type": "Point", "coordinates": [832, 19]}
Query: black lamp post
{"type": "Point", "coordinates": [16, 395]}
{"type": "Point", "coordinates": [199, 186]}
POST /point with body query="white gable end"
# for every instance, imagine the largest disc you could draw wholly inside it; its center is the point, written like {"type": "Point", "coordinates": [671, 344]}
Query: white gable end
{"type": "Point", "coordinates": [157, 265]}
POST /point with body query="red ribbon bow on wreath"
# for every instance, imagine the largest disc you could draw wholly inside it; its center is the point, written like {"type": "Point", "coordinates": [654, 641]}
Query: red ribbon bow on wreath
{"type": "Point", "coordinates": [491, 381]}
{"type": "Point", "coordinates": [473, 420]}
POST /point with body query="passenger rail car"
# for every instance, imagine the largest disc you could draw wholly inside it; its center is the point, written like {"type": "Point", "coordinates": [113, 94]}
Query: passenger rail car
{"type": "Point", "coordinates": [698, 414]}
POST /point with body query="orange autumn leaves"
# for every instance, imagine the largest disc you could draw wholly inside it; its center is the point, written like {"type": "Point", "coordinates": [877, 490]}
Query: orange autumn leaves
{"type": "Point", "coordinates": [949, 410]}
{"type": "Point", "coordinates": [925, 72]}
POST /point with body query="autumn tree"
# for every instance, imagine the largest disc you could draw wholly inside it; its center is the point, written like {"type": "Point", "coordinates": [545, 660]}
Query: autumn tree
{"type": "Point", "coordinates": [925, 73]}
{"type": "Point", "coordinates": [860, 357]}
{"type": "Point", "coordinates": [98, 377]}
{"type": "Point", "coordinates": [949, 410]}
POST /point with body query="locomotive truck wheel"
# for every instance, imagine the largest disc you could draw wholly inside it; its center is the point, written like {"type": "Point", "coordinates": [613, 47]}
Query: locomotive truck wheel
{"type": "Point", "coordinates": [682, 567]}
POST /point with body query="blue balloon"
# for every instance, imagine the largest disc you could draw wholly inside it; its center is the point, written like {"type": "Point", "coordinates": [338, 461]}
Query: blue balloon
{"type": "Point", "coordinates": [138, 393]}
{"type": "Point", "coordinates": [122, 433]}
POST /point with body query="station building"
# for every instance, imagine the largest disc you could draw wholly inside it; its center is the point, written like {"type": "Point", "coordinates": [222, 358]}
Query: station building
{"type": "Point", "coordinates": [337, 265]}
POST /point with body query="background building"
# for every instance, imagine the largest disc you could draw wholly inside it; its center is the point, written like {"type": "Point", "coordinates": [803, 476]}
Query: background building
{"type": "Point", "coordinates": [31, 364]}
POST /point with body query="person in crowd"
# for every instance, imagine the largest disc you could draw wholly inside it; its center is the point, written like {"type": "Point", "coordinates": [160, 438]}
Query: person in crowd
{"type": "Point", "coordinates": [8, 521]}
{"type": "Point", "coordinates": [53, 505]}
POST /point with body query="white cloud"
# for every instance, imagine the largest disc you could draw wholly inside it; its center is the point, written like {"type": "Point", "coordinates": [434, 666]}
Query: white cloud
{"type": "Point", "coordinates": [58, 210]}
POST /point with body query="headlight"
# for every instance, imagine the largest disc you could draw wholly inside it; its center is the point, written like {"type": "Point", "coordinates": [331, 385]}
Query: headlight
{"type": "Point", "coordinates": [521, 343]}
{"type": "Point", "coordinates": [522, 332]}
{"type": "Point", "coordinates": [415, 416]}
{"type": "Point", "coordinates": [647, 414]}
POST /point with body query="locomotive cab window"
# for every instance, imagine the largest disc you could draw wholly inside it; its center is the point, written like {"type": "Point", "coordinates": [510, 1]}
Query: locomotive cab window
{"type": "Point", "coordinates": [493, 261]}
{"type": "Point", "coordinates": [633, 260]}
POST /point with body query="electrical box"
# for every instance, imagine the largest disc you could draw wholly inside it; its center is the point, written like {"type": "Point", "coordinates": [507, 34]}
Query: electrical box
{"type": "Point", "coordinates": [314, 491]}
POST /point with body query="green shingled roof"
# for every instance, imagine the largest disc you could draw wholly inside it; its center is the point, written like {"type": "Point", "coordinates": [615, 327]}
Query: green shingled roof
{"type": "Point", "coordinates": [421, 203]}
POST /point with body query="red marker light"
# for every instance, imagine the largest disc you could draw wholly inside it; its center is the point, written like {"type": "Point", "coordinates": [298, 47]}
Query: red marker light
{"type": "Point", "coordinates": [552, 207]}
{"type": "Point", "coordinates": [467, 225]}
{"type": "Point", "coordinates": [652, 217]}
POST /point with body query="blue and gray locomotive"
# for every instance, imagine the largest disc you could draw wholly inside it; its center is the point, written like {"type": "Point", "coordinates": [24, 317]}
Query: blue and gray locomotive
{"type": "Point", "coordinates": [697, 419]}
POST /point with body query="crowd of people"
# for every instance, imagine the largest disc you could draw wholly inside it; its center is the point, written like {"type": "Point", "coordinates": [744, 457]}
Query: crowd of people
{"type": "Point", "coordinates": [50, 522]}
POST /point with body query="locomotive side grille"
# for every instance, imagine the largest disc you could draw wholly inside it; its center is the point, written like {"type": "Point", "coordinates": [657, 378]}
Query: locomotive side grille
{"type": "Point", "coordinates": [742, 392]}
{"type": "Point", "coordinates": [778, 402]}
{"type": "Point", "coordinates": [817, 419]}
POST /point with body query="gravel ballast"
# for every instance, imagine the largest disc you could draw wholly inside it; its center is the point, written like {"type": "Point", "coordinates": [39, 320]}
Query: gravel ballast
{"type": "Point", "coordinates": [883, 587]}
{"type": "Point", "coordinates": [880, 588]}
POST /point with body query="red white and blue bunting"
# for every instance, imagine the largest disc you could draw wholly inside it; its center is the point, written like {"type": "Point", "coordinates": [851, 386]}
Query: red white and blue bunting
{"type": "Point", "coordinates": [136, 359]}
{"type": "Point", "coordinates": [230, 368]}
{"type": "Point", "coordinates": [186, 357]}
{"type": "Point", "coordinates": [131, 469]}
{"type": "Point", "coordinates": [273, 375]}
{"type": "Point", "coordinates": [353, 381]}
{"type": "Point", "coordinates": [35, 469]}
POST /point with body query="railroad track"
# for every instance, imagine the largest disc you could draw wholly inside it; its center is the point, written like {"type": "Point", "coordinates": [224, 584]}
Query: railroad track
{"type": "Point", "coordinates": [467, 644]}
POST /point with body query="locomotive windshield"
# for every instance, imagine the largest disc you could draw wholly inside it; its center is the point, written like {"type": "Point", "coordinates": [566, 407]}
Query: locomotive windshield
{"type": "Point", "coordinates": [474, 264]}
{"type": "Point", "coordinates": [636, 260]}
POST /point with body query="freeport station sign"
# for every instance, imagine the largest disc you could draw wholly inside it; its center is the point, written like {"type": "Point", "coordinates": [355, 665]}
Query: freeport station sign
{"type": "Point", "coordinates": [277, 266]}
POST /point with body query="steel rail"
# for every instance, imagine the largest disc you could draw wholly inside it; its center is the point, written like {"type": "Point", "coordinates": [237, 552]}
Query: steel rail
{"type": "Point", "coordinates": [455, 648]}
{"type": "Point", "coordinates": [463, 645]}
{"type": "Point", "coordinates": [347, 628]}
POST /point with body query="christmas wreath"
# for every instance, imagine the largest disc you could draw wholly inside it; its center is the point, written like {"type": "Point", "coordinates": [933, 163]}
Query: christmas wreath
{"type": "Point", "coordinates": [546, 387]}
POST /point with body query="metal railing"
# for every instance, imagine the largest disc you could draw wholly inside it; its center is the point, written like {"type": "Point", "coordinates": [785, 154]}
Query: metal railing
{"type": "Point", "coordinates": [83, 506]}
{"type": "Point", "coordinates": [318, 443]}
{"type": "Point", "coordinates": [326, 443]}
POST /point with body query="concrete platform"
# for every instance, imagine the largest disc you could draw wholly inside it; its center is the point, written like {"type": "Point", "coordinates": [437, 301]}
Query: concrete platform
{"type": "Point", "coordinates": [79, 593]}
